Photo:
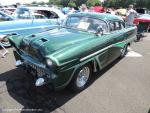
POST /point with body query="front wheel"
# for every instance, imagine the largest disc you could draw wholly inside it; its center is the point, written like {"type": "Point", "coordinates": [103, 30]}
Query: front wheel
{"type": "Point", "coordinates": [81, 78]}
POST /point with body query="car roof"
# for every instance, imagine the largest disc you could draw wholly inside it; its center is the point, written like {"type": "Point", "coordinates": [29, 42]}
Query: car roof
{"type": "Point", "coordinates": [36, 8]}
{"type": "Point", "coordinates": [103, 16]}
{"type": "Point", "coordinates": [8, 8]}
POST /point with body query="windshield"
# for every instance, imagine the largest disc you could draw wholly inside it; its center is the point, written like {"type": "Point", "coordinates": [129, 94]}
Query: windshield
{"type": "Point", "coordinates": [85, 23]}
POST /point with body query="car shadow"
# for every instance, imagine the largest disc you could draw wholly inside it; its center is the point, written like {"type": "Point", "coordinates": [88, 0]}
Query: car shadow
{"type": "Point", "coordinates": [149, 110]}
{"type": "Point", "coordinates": [20, 87]}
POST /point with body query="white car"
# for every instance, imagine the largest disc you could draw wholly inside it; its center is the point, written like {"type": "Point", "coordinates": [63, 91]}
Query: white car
{"type": "Point", "coordinates": [31, 12]}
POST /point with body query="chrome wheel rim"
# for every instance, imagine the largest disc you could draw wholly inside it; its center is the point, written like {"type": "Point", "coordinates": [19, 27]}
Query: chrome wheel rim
{"type": "Point", "coordinates": [83, 77]}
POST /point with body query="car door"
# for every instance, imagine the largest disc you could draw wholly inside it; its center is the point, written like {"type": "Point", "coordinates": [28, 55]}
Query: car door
{"type": "Point", "coordinates": [117, 34]}
{"type": "Point", "coordinates": [106, 41]}
{"type": "Point", "coordinates": [104, 55]}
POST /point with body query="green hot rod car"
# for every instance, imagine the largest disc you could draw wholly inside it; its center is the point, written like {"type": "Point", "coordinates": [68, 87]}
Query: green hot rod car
{"type": "Point", "coordinates": [70, 53]}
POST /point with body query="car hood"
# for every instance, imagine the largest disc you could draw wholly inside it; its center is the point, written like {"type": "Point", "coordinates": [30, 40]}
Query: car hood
{"type": "Point", "coordinates": [53, 40]}
{"type": "Point", "coordinates": [7, 27]}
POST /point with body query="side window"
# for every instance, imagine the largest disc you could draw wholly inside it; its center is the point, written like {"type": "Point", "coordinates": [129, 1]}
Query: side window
{"type": "Point", "coordinates": [39, 14]}
{"type": "Point", "coordinates": [54, 15]}
{"type": "Point", "coordinates": [44, 14]}
{"type": "Point", "coordinates": [112, 26]}
{"type": "Point", "coordinates": [72, 21]}
{"type": "Point", "coordinates": [116, 25]}
{"type": "Point", "coordinates": [122, 25]}
{"type": "Point", "coordinates": [23, 14]}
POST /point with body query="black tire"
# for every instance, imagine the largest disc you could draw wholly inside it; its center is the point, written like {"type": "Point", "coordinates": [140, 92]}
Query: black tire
{"type": "Point", "coordinates": [74, 86]}
{"type": "Point", "coordinates": [124, 51]}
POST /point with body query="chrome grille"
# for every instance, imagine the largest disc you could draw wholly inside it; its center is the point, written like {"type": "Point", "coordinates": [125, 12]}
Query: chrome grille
{"type": "Point", "coordinates": [39, 71]}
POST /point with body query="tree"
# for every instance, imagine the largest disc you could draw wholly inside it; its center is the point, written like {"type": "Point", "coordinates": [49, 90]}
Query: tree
{"type": "Point", "coordinates": [34, 2]}
{"type": "Point", "coordinates": [93, 2]}
{"type": "Point", "coordinates": [55, 2]}
{"type": "Point", "coordinates": [80, 2]}
{"type": "Point", "coordinates": [65, 2]}
{"type": "Point", "coordinates": [71, 4]}
{"type": "Point", "coordinates": [126, 3]}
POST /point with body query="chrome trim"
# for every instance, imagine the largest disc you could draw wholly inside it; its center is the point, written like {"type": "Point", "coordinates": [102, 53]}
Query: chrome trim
{"type": "Point", "coordinates": [84, 58]}
{"type": "Point", "coordinates": [83, 77]}
{"type": "Point", "coordinates": [40, 71]}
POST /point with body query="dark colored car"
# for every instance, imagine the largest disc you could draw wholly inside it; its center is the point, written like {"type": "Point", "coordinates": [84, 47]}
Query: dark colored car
{"type": "Point", "coordinates": [69, 54]}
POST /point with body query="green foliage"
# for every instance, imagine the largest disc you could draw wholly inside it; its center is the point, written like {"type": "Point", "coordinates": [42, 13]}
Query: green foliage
{"type": "Point", "coordinates": [126, 3]}
{"type": "Point", "coordinates": [34, 2]}
{"type": "Point", "coordinates": [41, 3]}
{"type": "Point", "coordinates": [80, 2]}
{"type": "Point", "coordinates": [93, 2]}
{"type": "Point", "coordinates": [65, 2]}
{"type": "Point", "coordinates": [55, 2]}
{"type": "Point", "coordinates": [72, 4]}
{"type": "Point", "coordinates": [107, 3]}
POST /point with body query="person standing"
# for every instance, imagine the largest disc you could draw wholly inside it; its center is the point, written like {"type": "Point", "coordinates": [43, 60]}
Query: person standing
{"type": "Point", "coordinates": [84, 8]}
{"type": "Point", "coordinates": [131, 14]}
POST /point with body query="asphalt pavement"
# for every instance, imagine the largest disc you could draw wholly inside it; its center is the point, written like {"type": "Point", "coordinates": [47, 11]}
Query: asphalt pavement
{"type": "Point", "coordinates": [122, 87]}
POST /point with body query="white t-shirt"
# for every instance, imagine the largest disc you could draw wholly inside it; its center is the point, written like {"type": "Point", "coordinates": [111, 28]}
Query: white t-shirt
{"type": "Point", "coordinates": [131, 14]}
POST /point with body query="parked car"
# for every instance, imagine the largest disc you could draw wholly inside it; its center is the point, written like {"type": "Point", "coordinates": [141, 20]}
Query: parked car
{"type": "Point", "coordinates": [69, 54]}
{"type": "Point", "coordinates": [5, 17]}
{"type": "Point", "coordinates": [142, 10]}
{"type": "Point", "coordinates": [31, 12]}
{"type": "Point", "coordinates": [8, 10]}
{"type": "Point", "coordinates": [22, 27]}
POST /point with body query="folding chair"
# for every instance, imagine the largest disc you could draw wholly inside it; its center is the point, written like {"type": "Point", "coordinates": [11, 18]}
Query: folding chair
{"type": "Point", "coordinates": [4, 50]}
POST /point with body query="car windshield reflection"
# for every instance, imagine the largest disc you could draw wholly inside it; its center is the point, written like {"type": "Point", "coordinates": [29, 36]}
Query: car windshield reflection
{"type": "Point", "coordinates": [85, 23]}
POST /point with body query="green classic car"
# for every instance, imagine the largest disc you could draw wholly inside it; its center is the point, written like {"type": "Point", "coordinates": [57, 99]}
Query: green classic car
{"type": "Point", "coordinates": [70, 53]}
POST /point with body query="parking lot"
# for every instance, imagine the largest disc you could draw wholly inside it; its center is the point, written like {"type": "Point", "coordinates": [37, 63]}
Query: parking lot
{"type": "Point", "coordinates": [122, 87]}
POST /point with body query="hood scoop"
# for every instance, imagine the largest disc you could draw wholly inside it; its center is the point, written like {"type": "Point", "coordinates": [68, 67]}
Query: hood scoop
{"type": "Point", "coordinates": [33, 36]}
{"type": "Point", "coordinates": [43, 40]}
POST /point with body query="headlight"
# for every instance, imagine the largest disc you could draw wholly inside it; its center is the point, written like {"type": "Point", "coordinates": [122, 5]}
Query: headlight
{"type": "Point", "coordinates": [49, 62]}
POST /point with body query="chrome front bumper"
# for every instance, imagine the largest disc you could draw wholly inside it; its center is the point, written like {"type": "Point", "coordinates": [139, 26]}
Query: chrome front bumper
{"type": "Point", "coordinates": [36, 69]}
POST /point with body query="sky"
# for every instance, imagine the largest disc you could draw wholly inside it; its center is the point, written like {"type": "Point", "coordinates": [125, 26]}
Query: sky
{"type": "Point", "coordinates": [9, 2]}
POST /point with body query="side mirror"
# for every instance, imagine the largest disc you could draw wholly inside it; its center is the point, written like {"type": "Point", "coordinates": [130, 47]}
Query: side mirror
{"type": "Point", "coordinates": [99, 30]}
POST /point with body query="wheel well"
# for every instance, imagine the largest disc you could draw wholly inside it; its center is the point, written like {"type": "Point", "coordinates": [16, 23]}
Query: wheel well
{"type": "Point", "coordinates": [128, 44]}
{"type": "Point", "coordinates": [94, 65]}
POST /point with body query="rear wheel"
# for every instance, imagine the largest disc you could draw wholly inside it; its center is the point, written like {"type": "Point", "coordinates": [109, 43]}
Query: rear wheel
{"type": "Point", "coordinates": [81, 78]}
